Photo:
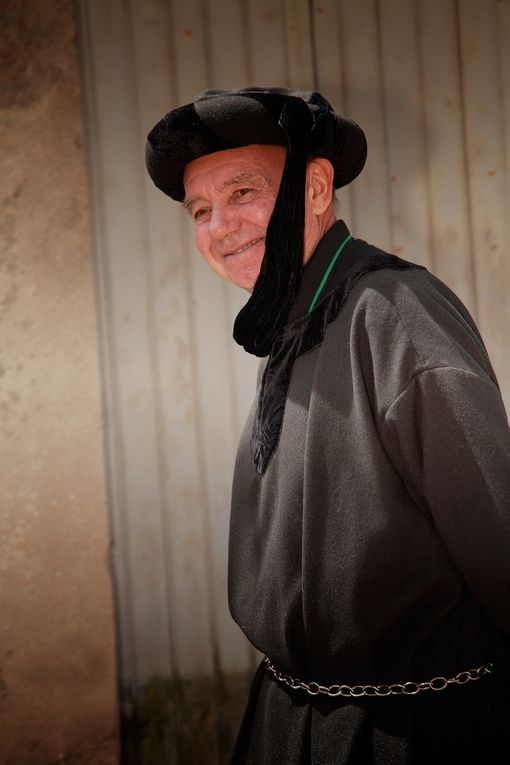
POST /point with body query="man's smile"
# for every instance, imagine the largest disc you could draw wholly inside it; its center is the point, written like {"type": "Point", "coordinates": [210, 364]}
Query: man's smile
{"type": "Point", "coordinates": [242, 248]}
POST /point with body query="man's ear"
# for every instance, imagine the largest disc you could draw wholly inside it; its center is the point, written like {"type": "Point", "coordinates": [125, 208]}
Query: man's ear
{"type": "Point", "coordinates": [319, 179]}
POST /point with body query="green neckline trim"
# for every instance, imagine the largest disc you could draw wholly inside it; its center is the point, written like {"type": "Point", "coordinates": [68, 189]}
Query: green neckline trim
{"type": "Point", "coordinates": [326, 275]}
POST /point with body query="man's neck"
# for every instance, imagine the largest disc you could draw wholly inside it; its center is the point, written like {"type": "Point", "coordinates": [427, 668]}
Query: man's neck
{"type": "Point", "coordinates": [321, 224]}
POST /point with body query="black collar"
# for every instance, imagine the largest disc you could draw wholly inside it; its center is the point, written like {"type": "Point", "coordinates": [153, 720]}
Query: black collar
{"type": "Point", "coordinates": [316, 267]}
{"type": "Point", "coordinates": [305, 330]}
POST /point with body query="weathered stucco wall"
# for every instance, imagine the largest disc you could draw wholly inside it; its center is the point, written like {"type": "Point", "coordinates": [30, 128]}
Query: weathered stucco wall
{"type": "Point", "coordinates": [57, 682]}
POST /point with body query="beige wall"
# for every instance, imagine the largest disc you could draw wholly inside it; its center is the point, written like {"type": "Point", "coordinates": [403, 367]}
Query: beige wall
{"type": "Point", "coordinates": [57, 665]}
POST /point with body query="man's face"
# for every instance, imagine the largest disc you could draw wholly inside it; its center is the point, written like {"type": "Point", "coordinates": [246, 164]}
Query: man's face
{"type": "Point", "coordinates": [230, 196]}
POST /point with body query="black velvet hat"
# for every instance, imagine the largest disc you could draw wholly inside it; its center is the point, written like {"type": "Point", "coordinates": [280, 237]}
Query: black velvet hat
{"type": "Point", "coordinates": [307, 126]}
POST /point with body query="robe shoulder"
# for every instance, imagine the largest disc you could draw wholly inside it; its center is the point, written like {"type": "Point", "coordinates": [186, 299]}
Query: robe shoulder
{"type": "Point", "coordinates": [404, 322]}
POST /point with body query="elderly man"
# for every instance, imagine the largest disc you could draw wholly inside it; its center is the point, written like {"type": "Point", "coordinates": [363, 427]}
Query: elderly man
{"type": "Point", "coordinates": [370, 526]}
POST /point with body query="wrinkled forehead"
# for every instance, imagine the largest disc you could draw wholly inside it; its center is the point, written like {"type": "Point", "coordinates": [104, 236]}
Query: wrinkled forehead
{"type": "Point", "coordinates": [243, 162]}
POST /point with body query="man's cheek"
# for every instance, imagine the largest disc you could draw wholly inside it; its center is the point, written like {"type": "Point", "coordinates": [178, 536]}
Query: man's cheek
{"type": "Point", "coordinates": [262, 212]}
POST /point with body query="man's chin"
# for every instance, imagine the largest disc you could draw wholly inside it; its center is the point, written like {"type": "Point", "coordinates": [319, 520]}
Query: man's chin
{"type": "Point", "coordinates": [245, 280]}
{"type": "Point", "coordinates": [243, 269]}
{"type": "Point", "coordinates": [248, 286]}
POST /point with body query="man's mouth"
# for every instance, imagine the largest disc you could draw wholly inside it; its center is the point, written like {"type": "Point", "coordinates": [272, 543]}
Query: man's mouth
{"type": "Point", "coordinates": [243, 247]}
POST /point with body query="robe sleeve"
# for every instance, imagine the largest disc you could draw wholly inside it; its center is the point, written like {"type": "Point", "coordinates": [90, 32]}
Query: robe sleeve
{"type": "Point", "coordinates": [447, 435]}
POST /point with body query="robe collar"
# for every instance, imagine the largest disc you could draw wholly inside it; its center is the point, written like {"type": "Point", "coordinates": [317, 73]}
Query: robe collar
{"type": "Point", "coordinates": [316, 267]}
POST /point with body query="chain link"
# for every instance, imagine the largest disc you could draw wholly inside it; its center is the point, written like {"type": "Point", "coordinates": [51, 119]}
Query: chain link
{"type": "Point", "coordinates": [409, 688]}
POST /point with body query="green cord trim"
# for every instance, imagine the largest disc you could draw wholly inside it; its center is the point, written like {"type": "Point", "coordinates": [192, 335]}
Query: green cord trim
{"type": "Point", "coordinates": [326, 275]}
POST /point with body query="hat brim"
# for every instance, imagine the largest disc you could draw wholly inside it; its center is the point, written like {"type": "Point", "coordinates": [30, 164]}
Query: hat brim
{"type": "Point", "coordinates": [219, 120]}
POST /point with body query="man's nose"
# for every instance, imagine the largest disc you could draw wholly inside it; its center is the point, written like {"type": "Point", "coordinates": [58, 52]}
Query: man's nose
{"type": "Point", "coordinates": [222, 222]}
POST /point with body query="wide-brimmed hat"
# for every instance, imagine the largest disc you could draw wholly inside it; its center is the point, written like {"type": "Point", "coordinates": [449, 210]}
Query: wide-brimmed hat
{"type": "Point", "coordinates": [303, 122]}
{"type": "Point", "coordinates": [227, 119]}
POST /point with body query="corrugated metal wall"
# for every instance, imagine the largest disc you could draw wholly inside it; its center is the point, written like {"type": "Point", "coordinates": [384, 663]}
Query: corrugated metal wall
{"type": "Point", "coordinates": [429, 80]}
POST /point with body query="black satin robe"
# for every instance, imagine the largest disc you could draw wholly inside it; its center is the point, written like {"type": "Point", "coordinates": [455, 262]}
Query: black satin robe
{"type": "Point", "coordinates": [370, 525]}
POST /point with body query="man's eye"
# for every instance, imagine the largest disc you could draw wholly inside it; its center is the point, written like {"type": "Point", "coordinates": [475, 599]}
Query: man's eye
{"type": "Point", "coordinates": [200, 213]}
{"type": "Point", "coordinates": [242, 192]}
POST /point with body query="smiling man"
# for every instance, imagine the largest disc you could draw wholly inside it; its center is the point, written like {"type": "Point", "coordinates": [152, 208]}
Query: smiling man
{"type": "Point", "coordinates": [370, 521]}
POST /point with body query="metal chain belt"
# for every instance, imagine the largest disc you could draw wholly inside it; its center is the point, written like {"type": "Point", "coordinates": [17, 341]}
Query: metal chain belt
{"type": "Point", "coordinates": [396, 689]}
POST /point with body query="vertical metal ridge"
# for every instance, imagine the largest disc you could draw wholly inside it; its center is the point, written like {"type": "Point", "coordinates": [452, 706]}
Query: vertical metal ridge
{"type": "Point", "coordinates": [126, 20]}
{"type": "Point", "coordinates": [505, 111]}
{"type": "Point", "coordinates": [175, 720]}
{"type": "Point", "coordinates": [432, 234]}
{"type": "Point", "coordinates": [209, 70]}
{"type": "Point", "coordinates": [172, 56]}
{"type": "Point", "coordinates": [162, 451]}
{"type": "Point", "coordinates": [155, 381]}
{"type": "Point", "coordinates": [313, 43]}
{"type": "Point", "coordinates": [112, 441]}
{"type": "Point", "coordinates": [467, 174]}
{"type": "Point", "coordinates": [245, 26]}
{"type": "Point", "coordinates": [344, 100]}
{"type": "Point", "coordinates": [382, 85]}
{"type": "Point", "coordinates": [283, 12]}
